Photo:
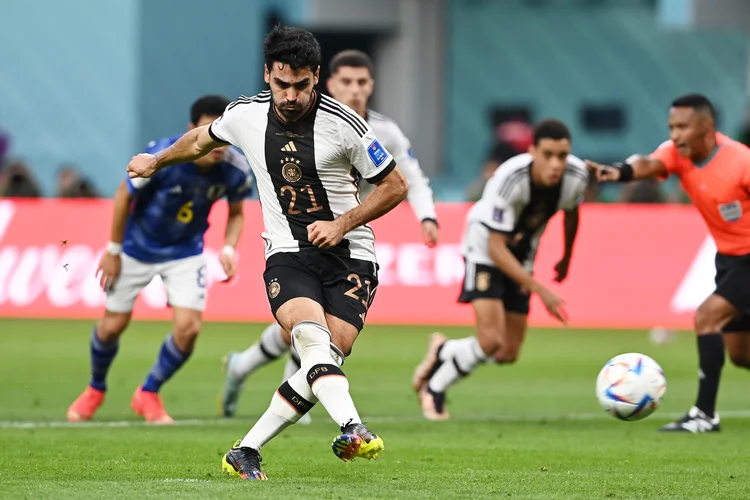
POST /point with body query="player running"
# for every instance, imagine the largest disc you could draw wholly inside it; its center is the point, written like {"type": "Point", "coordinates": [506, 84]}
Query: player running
{"type": "Point", "coordinates": [307, 152]}
{"type": "Point", "coordinates": [157, 229]}
{"type": "Point", "coordinates": [499, 245]}
{"type": "Point", "coordinates": [714, 171]}
{"type": "Point", "coordinates": [351, 82]}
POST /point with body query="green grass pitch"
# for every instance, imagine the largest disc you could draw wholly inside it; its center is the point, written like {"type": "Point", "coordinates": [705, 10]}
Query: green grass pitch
{"type": "Point", "coordinates": [529, 431]}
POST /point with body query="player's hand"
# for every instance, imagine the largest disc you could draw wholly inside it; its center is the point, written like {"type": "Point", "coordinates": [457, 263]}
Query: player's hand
{"type": "Point", "coordinates": [429, 233]}
{"type": "Point", "coordinates": [108, 271]}
{"type": "Point", "coordinates": [229, 265]}
{"type": "Point", "coordinates": [554, 305]}
{"type": "Point", "coordinates": [142, 165]}
{"type": "Point", "coordinates": [561, 268]}
{"type": "Point", "coordinates": [603, 173]}
{"type": "Point", "coordinates": [325, 234]}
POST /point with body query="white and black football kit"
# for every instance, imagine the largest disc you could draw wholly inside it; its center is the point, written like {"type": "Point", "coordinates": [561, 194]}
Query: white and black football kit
{"type": "Point", "coordinates": [513, 205]}
{"type": "Point", "coordinates": [308, 171]}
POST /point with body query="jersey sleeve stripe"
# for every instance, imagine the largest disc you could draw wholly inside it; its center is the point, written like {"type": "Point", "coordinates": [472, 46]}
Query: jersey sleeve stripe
{"type": "Point", "coordinates": [337, 105]}
{"type": "Point", "coordinates": [511, 181]}
{"type": "Point", "coordinates": [262, 97]}
{"type": "Point", "coordinates": [344, 117]}
{"type": "Point", "coordinates": [214, 136]}
{"type": "Point", "coordinates": [584, 176]}
{"type": "Point", "coordinates": [496, 230]}
{"type": "Point", "coordinates": [383, 173]}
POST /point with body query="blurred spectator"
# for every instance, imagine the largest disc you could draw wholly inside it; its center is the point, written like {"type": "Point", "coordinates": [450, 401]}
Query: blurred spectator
{"type": "Point", "coordinates": [4, 146]}
{"type": "Point", "coordinates": [16, 180]}
{"type": "Point", "coordinates": [744, 135]}
{"type": "Point", "coordinates": [645, 191]}
{"type": "Point", "coordinates": [70, 184]}
{"type": "Point", "coordinates": [512, 137]}
{"type": "Point", "coordinates": [500, 152]}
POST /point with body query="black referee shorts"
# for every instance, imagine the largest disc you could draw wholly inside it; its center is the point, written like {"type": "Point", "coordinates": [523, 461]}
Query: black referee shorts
{"type": "Point", "coordinates": [733, 284]}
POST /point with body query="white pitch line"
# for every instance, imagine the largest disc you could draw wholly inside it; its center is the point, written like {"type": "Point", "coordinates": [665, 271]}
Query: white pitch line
{"type": "Point", "coordinates": [406, 419]}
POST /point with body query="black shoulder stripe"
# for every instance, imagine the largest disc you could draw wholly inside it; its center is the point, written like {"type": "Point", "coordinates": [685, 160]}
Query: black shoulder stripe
{"type": "Point", "coordinates": [578, 174]}
{"type": "Point", "coordinates": [356, 122]}
{"type": "Point", "coordinates": [214, 136]}
{"type": "Point", "coordinates": [512, 181]}
{"type": "Point", "coordinates": [334, 103]}
{"type": "Point", "coordinates": [343, 117]}
{"type": "Point", "coordinates": [262, 97]}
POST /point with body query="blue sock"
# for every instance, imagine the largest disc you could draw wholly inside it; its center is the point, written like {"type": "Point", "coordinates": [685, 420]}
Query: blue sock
{"type": "Point", "coordinates": [170, 360]}
{"type": "Point", "coordinates": [102, 354]}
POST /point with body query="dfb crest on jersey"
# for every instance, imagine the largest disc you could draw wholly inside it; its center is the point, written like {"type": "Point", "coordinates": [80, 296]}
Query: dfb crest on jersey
{"type": "Point", "coordinates": [216, 191]}
{"type": "Point", "coordinates": [290, 170]}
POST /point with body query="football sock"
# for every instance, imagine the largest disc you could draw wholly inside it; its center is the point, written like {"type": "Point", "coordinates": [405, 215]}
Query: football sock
{"type": "Point", "coordinates": [102, 355]}
{"type": "Point", "coordinates": [326, 379]}
{"type": "Point", "coordinates": [711, 360]}
{"type": "Point", "coordinates": [170, 360]}
{"type": "Point", "coordinates": [460, 358]}
{"type": "Point", "coordinates": [292, 400]}
{"type": "Point", "coordinates": [270, 346]}
{"type": "Point", "coordinates": [292, 365]}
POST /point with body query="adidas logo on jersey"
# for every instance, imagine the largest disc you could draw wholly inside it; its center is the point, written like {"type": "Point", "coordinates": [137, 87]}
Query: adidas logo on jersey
{"type": "Point", "coordinates": [176, 190]}
{"type": "Point", "coordinates": [289, 147]}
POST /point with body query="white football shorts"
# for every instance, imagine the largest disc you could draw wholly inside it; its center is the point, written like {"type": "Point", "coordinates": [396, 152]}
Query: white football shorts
{"type": "Point", "coordinates": [184, 279]}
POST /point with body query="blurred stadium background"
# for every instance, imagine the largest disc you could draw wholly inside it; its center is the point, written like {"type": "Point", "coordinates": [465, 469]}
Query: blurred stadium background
{"type": "Point", "coordinates": [84, 85]}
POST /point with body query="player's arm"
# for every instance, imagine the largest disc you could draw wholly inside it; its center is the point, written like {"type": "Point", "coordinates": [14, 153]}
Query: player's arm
{"type": "Point", "coordinates": [509, 264]}
{"type": "Point", "coordinates": [388, 193]}
{"type": "Point", "coordinates": [499, 217]}
{"type": "Point", "coordinates": [570, 229]}
{"type": "Point", "coordinates": [420, 195]}
{"type": "Point", "coordinates": [121, 204]}
{"type": "Point", "coordinates": [110, 264]}
{"type": "Point", "coordinates": [420, 192]}
{"type": "Point", "coordinates": [194, 144]}
{"type": "Point", "coordinates": [378, 167]}
{"type": "Point", "coordinates": [235, 222]}
{"type": "Point", "coordinates": [635, 168]}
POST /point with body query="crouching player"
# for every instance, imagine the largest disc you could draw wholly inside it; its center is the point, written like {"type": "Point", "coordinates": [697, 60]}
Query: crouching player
{"type": "Point", "coordinates": [500, 241]}
{"type": "Point", "coordinates": [158, 228]}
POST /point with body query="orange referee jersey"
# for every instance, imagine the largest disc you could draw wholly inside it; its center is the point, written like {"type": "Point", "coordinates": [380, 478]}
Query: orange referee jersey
{"type": "Point", "coordinates": [719, 188]}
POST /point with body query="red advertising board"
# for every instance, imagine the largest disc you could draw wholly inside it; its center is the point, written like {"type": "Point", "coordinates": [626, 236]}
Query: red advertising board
{"type": "Point", "coordinates": [634, 266]}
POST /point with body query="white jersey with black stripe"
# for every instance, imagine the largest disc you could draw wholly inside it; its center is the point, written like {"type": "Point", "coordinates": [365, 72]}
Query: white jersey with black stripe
{"type": "Point", "coordinates": [512, 205]}
{"type": "Point", "coordinates": [394, 140]}
{"type": "Point", "coordinates": [307, 170]}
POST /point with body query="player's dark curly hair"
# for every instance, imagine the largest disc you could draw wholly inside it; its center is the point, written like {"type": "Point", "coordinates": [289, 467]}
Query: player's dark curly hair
{"type": "Point", "coordinates": [550, 129]}
{"type": "Point", "coordinates": [293, 46]}
{"type": "Point", "coordinates": [208, 105]}
{"type": "Point", "coordinates": [352, 58]}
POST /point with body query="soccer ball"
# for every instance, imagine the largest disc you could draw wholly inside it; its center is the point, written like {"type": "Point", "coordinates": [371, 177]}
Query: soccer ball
{"type": "Point", "coordinates": [631, 386]}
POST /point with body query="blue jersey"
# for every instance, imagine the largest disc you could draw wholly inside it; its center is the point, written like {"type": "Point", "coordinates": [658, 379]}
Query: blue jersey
{"type": "Point", "coordinates": [168, 216]}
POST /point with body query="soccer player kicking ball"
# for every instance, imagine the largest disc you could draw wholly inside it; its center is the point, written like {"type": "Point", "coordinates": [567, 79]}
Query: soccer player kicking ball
{"type": "Point", "coordinates": [715, 172]}
{"type": "Point", "coordinates": [307, 152]}
{"type": "Point", "coordinates": [157, 230]}
{"type": "Point", "coordinates": [351, 82]}
{"type": "Point", "coordinates": [500, 241]}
